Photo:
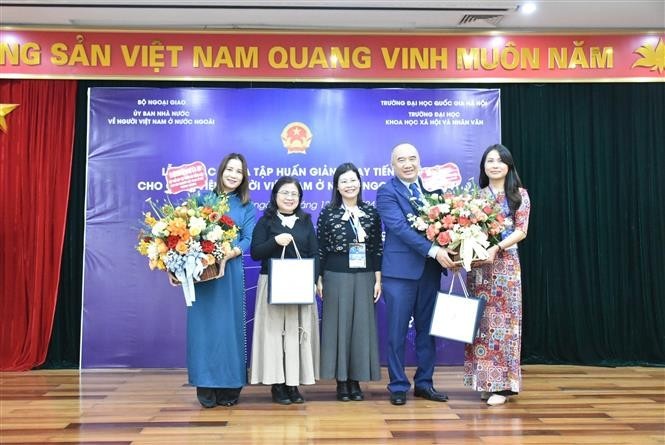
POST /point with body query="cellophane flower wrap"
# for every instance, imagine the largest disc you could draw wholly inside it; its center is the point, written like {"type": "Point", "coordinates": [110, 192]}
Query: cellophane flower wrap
{"type": "Point", "coordinates": [460, 220]}
{"type": "Point", "coordinates": [186, 238]}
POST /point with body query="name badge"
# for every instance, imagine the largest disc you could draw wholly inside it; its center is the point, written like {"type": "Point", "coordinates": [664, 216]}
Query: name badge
{"type": "Point", "coordinates": [357, 256]}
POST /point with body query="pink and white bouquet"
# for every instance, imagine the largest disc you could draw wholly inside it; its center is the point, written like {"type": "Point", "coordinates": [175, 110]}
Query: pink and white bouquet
{"type": "Point", "coordinates": [460, 220]}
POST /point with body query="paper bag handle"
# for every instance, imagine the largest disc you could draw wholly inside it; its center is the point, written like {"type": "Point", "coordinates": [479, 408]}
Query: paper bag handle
{"type": "Point", "coordinates": [456, 273]}
{"type": "Point", "coordinates": [295, 247]}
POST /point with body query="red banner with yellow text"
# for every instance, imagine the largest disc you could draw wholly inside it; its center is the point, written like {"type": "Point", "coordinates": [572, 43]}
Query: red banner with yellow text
{"type": "Point", "coordinates": [319, 56]}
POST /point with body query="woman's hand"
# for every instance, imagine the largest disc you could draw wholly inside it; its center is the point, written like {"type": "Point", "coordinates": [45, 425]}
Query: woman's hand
{"type": "Point", "coordinates": [319, 288]}
{"type": "Point", "coordinates": [173, 281]}
{"type": "Point", "coordinates": [377, 291]}
{"type": "Point", "coordinates": [491, 255]}
{"type": "Point", "coordinates": [234, 253]}
{"type": "Point", "coordinates": [222, 266]}
{"type": "Point", "coordinates": [283, 239]}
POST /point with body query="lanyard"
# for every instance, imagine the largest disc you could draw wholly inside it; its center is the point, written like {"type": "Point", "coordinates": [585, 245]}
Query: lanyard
{"type": "Point", "coordinates": [353, 220]}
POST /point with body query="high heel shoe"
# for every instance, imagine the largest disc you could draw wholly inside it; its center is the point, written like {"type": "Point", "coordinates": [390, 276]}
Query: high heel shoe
{"type": "Point", "coordinates": [227, 396]}
{"type": "Point", "coordinates": [343, 391]}
{"type": "Point", "coordinates": [355, 393]}
{"type": "Point", "coordinates": [497, 399]}
{"type": "Point", "coordinates": [294, 394]}
{"type": "Point", "coordinates": [279, 394]}
{"type": "Point", "coordinates": [206, 397]}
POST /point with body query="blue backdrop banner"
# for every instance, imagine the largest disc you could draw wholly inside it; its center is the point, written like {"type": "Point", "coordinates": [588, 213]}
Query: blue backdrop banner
{"type": "Point", "coordinates": [159, 143]}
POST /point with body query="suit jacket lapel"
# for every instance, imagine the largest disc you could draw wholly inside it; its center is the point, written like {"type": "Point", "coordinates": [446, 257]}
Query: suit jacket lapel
{"type": "Point", "coordinates": [406, 193]}
{"type": "Point", "coordinates": [401, 189]}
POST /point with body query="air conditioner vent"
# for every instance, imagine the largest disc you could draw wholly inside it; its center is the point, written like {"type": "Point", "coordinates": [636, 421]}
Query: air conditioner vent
{"type": "Point", "coordinates": [480, 20]}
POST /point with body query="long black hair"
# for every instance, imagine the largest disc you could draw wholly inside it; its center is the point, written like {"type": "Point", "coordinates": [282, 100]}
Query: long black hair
{"type": "Point", "coordinates": [336, 199]}
{"type": "Point", "coordinates": [512, 182]}
{"type": "Point", "coordinates": [272, 209]}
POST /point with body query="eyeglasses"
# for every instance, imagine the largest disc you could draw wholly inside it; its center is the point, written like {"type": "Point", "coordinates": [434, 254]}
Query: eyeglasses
{"type": "Point", "coordinates": [287, 194]}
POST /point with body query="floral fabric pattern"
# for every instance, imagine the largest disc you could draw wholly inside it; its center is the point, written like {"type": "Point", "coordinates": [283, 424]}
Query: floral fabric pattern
{"type": "Point", "coordinates": [492, 362]}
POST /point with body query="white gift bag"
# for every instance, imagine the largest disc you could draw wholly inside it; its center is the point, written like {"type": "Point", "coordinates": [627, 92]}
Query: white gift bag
{"type": "Point", "coordinates": [291, 280]}
{"type": "Point", "coordinates": [457, 317]}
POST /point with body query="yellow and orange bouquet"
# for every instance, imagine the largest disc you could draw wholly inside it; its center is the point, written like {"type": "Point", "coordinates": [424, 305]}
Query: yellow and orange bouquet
{"type": "Point", "coordinates": [187, 239]}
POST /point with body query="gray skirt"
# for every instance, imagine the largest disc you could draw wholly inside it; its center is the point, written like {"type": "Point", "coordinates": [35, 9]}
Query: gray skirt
{"type": "Point", "coordinates": [349, 343]}
{"type": "Point", "coordinates": [285, 343]}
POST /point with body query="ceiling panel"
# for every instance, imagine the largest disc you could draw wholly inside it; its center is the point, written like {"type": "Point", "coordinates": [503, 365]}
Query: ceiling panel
{"type": "Point", "coordinates": [327, 15]}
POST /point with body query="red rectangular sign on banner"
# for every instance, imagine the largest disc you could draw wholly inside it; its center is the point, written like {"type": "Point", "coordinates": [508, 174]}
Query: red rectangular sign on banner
{"type": "Point", "coordinates": [314, 56]}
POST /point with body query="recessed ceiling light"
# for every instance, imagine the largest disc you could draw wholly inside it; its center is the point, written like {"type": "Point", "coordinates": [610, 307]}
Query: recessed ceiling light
{"type": "Point", "coordinates": [8, 38]}
{"type": "Point", "coordinates": [528, 8]}
{"type": "Point", "coordinates": [497, 41]}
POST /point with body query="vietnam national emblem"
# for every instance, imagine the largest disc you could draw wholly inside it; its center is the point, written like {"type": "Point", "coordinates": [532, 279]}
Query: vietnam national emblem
{"type": "Point", "coordinates": [296, 137]}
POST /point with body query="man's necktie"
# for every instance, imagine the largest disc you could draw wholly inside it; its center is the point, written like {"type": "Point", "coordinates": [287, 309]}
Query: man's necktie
{"type": "Point", "coordinates": [415, 191]}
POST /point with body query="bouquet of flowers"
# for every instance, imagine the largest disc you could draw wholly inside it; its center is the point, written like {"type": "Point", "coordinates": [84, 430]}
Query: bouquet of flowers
{"type": "Point", "coordinates": [460, 220]}
{"type": "Point", "coordinates": [188, 240]}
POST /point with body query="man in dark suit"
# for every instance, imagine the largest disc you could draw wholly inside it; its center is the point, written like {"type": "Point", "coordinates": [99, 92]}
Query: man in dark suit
{"type": "Point", "coordinates": [411, 275]}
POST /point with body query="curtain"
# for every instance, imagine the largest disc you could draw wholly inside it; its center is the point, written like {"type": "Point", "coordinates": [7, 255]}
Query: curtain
{"type": "Point", "coordinates": [64, 349]}
{"type": "Point", "coordinates": [35, 168]}
{"type": "Point", "coordinates": [591, 156]}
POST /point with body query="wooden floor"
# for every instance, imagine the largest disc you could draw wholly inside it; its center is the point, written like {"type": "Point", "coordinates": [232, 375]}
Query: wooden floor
{"type": "Point", "coordinates": [558, 405]}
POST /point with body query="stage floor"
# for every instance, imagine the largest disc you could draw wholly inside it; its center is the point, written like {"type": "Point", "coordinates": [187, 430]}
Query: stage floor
{"type": "Point", "coordinates": [558, 405]}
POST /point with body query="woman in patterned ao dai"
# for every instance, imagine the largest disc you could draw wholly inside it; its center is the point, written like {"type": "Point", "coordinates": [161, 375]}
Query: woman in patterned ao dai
{"type": "Point", "coordinates": [492, 362]}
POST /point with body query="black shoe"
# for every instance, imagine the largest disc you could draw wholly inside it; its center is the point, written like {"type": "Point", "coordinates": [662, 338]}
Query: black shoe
{"type": "Point", "coordinates": [355, 392]}
{"type": "Point", "coordinates": [430, 394]}
{"type": "Point", "coordinates": [227, 396]}
{"type": "Point", "coordinates": [206, 397]}
{"type": "Point", "coordinates": [343, 391]}
{"type": "Point", "coordinates": [294, 394]}
{"type": "Point", "coordinates": [279, 394]}
{"type": "Point", "coordinates": [398, 397]}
